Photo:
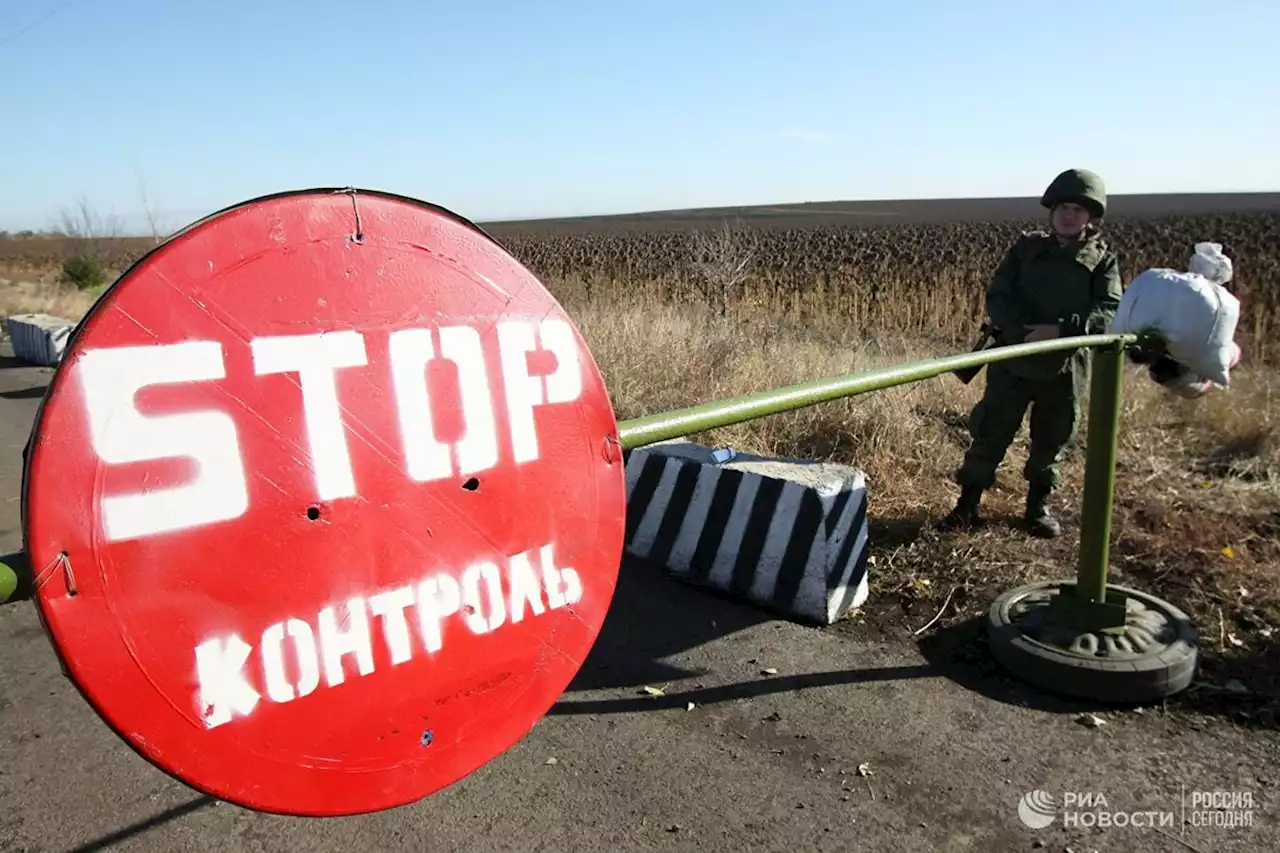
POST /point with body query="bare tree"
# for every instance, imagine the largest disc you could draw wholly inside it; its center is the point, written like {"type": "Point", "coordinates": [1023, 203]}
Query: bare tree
{"type": "Point", "coordinates": [82, 223]}
{"type": "Point", "coordinates": [157, 235]}
{"type": "Point", "coordinates": [86, 268]}
{"type": "Point", "coordinates": [721, 262]}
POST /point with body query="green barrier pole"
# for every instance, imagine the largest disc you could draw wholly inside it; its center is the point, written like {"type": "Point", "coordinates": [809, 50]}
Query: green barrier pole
{"type": "Point", "coordinates": [1075, 637]}
{"type": "Point", "coordinates": [1106, 393]}
{"type": "Point", "coordinates": [695, 419]}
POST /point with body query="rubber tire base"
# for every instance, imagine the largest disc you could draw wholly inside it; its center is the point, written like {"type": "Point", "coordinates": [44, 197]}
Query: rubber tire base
{"type": "Point", "coordinates": [1110, 681]}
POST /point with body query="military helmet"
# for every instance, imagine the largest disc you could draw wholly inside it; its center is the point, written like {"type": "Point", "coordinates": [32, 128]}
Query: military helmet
{"type": "Point", "coordinates": [1081, 186]}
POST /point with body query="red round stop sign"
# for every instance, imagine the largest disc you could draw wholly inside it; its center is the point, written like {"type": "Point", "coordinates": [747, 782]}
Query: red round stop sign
{"type": "Point", "coordinates": [325, 502]}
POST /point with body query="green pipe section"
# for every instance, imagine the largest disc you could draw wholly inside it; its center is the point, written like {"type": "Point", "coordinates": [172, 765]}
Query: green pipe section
{"type": "Point", "coordinates": [1106, 394]}
{"type": "Point", "coordinates": [8, 582]}
{"type": "Point", "coordinates": [650, 429]}
{"type": "Point", "coordinates": [15, 577]}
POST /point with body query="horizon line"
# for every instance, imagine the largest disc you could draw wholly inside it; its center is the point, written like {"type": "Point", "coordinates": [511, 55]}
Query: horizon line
{"type": "Point", "coordinates": [882, 200]}
{"type": "Point", "coordinates": [676, 211]}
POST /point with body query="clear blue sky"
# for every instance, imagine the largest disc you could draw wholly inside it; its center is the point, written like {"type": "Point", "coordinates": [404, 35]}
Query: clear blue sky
{"type": "Point", "coordinates": [538, 108]}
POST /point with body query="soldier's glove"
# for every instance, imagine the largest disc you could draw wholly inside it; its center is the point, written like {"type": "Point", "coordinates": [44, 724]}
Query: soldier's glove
{"type": "Point", "coordinates": [1073, 326]}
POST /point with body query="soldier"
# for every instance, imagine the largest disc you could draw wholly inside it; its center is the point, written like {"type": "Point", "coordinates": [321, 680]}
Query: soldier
{"type": "Point", "coordinates": [1055, 283]}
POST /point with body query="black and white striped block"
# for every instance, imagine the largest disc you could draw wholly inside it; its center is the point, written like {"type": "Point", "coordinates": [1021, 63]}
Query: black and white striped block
{"type": "Point", "coordinates": [790, 536]}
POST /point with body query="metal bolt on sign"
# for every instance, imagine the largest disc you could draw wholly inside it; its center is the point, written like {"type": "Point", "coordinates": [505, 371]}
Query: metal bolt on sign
{"type": "Point", "coordinates": [389, 433]}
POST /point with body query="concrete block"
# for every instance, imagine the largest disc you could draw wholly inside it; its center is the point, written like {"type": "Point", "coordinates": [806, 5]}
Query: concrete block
{"type": "Point", "coordinates": [39, 338]}
{"type": "Point", "coordinates": [787, 535]}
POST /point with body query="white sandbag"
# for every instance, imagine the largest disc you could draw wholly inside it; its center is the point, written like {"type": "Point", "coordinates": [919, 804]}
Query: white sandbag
{"type": "Point", "coordinates": [1196, 317]}
{"type": "Point", "coordinates": [1209, 261]}
{"type": "Point", "coordinates": [1192, 386]}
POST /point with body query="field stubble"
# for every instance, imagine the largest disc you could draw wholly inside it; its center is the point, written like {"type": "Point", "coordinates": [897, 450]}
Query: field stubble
{"type": "Point", "coordinates": [674, 321]}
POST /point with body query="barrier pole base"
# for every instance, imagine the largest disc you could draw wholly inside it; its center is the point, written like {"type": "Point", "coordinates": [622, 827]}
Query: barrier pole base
{"type": "Point", "coordinates": [1132, 648]}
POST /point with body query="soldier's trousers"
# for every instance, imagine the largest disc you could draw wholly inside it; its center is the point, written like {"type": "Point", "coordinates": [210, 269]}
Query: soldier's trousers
{"type": "Point", "coordinates": [995, 421]}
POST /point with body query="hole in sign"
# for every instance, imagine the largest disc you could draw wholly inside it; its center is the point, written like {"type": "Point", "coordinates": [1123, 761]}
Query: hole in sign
{"type": "Point", "coordinates": [471, 485]}
{"type": "Point", "coordinates": [427, 737]}
{"type": "Point", "coordinates": [313, 512]}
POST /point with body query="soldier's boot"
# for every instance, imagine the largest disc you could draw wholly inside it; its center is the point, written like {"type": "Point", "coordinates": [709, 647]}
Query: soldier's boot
{"type": "Point", "coordinates": [966, 514]}
{"type": "Point", "coordinates": [1038, 518]}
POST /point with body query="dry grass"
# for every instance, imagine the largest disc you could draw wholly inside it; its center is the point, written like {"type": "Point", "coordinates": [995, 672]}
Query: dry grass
{"type": "Point", "coordinates": [48, 297]}
{"type": "Point", "coordinates": [1198, 498]}
{"type": "Point", "coordinates": [911, 278]}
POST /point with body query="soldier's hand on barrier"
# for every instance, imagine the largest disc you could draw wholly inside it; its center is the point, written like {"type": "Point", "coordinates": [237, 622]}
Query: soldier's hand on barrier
{"type": "Point", "coordinates": [1041, 333]}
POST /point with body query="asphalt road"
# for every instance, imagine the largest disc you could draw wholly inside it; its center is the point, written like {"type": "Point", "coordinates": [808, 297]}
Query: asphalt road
{"type": "Point", "coordinates": [761, 762]}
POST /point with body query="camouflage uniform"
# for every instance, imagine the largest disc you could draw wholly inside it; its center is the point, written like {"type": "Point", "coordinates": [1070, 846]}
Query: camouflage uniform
{"type": "Point", "coordinates": [1040, 282]}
